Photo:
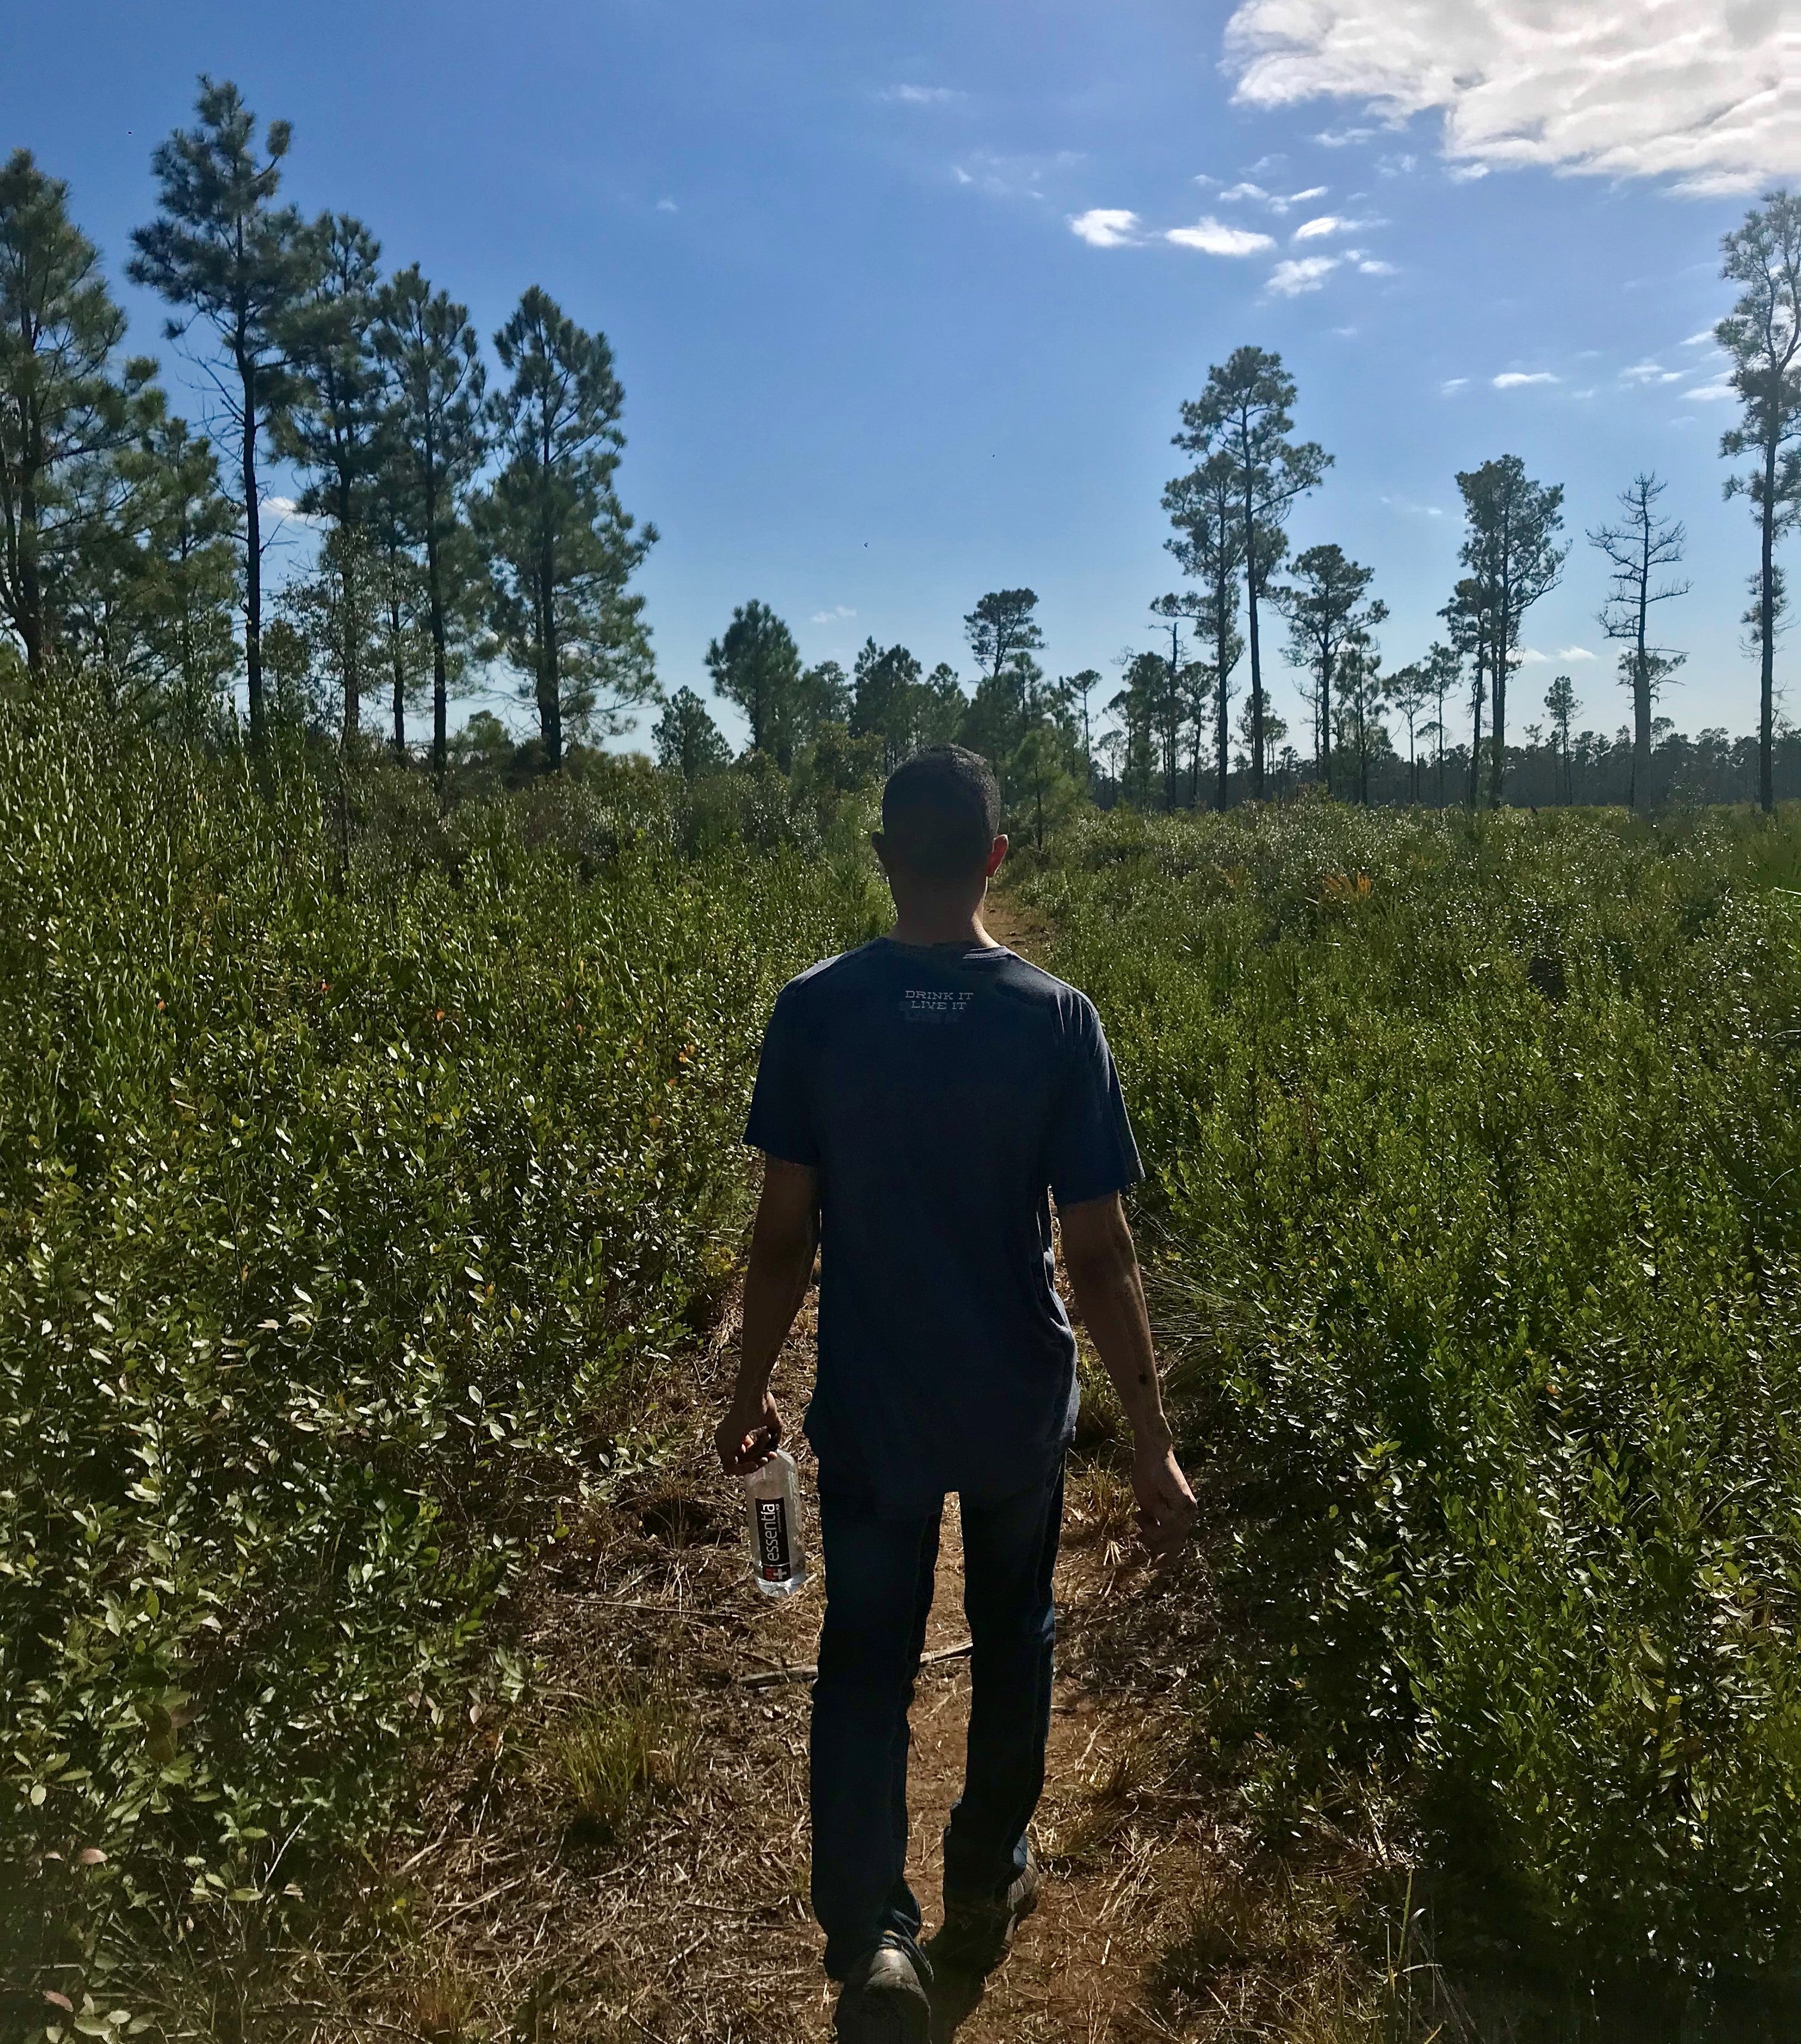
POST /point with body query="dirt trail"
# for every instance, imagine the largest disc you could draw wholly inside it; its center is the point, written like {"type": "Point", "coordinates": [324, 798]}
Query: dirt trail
{"type": "Point", "coordinates": [689, 1922]}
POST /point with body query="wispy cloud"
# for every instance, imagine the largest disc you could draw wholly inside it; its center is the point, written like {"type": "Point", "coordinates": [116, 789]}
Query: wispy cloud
{"type": "Point", "coordinates": [1710, 394]}
{"type": "Point", "coordinates": [1707, 94]}
{"type": "Point", "coordinates": [666, 206]}
{"type": "Point", "coordinates": [1518, 379]}
{"type": "Point", "coordinates": [1575, 653]}
{"type": "Point", "coordinates": [1304, 273]}
{"type": "Point", "coordinates": [1453, 383]}
{"type": "Point", "coordinates": [1371, 265]}
{"type": "Point", "coordinates": [924, 95]}
{"type": "Point", "coordinates": [1331, 138]}
{"type": "Point", "coordinates": [835, 615]}
{"type": "Point", "coordinates": [1700, 340]}
{"type": "Point", "coordinates": [1325, 224]}
{"type": "Point", "coordinates": [1278, 202]}
{"type": "Point", "coordinates": [1412, 509]}
{"type": "Point", "coordinates": [1648, 371]}
{"type": "Point", "coordinates": [1106, 227]}
{"type": "Point", "coordinates": [1214, 237]}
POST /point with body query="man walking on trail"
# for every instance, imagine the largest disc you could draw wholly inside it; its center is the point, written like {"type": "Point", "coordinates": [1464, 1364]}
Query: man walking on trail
{"type": "Point", "coordinates": [919, 1103]}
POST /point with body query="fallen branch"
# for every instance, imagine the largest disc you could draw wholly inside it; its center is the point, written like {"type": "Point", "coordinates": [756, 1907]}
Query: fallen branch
{"type": "Point", "coordinates": [773, 1678]}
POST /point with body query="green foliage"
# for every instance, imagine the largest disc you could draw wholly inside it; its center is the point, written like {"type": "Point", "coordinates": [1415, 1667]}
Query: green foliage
{"type": "Point", "coordinates": [1474, 1150]}
{"type": "Point", "coordinates": [349, 1151]}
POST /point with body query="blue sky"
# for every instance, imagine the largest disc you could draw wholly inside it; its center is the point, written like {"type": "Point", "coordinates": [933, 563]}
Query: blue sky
{"type": "Point", "coordinates": [893, 293]}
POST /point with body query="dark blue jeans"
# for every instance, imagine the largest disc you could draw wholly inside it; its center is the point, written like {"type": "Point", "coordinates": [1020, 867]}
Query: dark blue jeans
{"type": "Point", "coordinates": [879, 1575]}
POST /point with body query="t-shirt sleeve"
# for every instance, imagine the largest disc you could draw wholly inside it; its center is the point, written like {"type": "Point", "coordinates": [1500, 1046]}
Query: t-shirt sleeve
{"type": "Point", "coordinates": [1092, 1151]}
{"type": "Point", "coordinates": [781, 1124]}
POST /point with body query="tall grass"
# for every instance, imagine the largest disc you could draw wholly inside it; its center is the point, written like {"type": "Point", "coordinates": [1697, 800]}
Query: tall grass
{"type": "Point", "coordinates": [345, 1161]}
{"type": "Point", "coordinates": [1477, 1209]}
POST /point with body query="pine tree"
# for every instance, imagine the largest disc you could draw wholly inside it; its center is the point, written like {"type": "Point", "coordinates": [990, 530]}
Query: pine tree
{"type": "Point", "coordinates": [1510, 548]}
{"type": "Point", "coordinates": [150, 594]}
{"type": "Point", "coordinates": [1209, 543]}
{"type": "Point", "coordinates": [562, 548]}
{"type": "Point", "coordinates": [65, 410]}
{"type": "Point", "coordinates": [755, 666]}
{"type": "Point", "coordinates": [688, 742]}
{"type": "Point", "coordinates": [1762, 334]}
{"type": "Point", "coordinates": [1246, 414]}
{"type": "Point", "coordinates": [1639, 548]}
{"type": "Point", "coordinates": [1559, 706]}
{"type": "Point", "coordinates": [1005, 638]}
{"type": "Point", "coordinates": [1325, 611]}
{"type": "Point", "coordinates": [432, 444]}
{"type": "Point", "coordinates": [224, 252]}
{"type": "Point", "coordinates": [334, 431]}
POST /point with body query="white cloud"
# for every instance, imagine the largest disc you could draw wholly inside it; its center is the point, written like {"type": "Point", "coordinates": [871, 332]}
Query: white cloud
{"type": "Point", "coordinates": [1467, 174]}
{"type": "Point", "coordinates": [1710, 394]}
{"type": "Point", "coordinates": [1370, 267]}
{"type": "Point", "coordinates": [924, 95]}
{"type": "Point", "coordinates": [286, 507]}
{"type": "Point", "coordinates": [1322, 224]}
{"type": "Point", "coordinates": [1648, 371]}
{"type": "Point", "coordinates": [833, 617]}
{"type": "Point", "coordinates": [1697, 339]}
{"type": "Point", "coordinates": [1332, 138]}
{"type": "Point", "coordinates": [1575, 653]}
{"type": "Point", "coordinates": [666, 206]}
{"type": "Point", "coordinates": [1453, 383]}
{"type": "Point", "coordinates": [1299, 273]}
{"type": "Point", "coordinates": [1515, 379]}
{"type": "Point", "coordinates": [1708, 92]}
{"type": "Point", "coordinates": [1416, 510]}
{"type": "Point", "coordinates": [1106, 227]}
{"type": "Point", "coordinates": [1214, 237]}
{"type": "Point", "coordinates": [1278, 202]}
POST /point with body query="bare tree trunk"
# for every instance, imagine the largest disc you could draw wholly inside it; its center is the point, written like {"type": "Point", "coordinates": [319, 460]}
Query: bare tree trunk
{"type": "Point", "coordinates": [1256, 654]}
{"type": "Point", "coordinates": [253, 558]}
{"type": "Point", "coordinates": [1766, 618]}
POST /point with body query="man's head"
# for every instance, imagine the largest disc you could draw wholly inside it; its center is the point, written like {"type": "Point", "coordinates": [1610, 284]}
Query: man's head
{"type": "Point", "coordinates": [941, 823]}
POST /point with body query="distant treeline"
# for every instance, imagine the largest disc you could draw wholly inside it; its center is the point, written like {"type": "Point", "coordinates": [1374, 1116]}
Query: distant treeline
{"type": "Point", "coordinates": [471, 531]}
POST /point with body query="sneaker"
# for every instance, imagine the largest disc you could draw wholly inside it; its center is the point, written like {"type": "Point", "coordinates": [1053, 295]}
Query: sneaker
{"type": "Point", "coordinates": [978, 1929]}
{"type": "Point", "coordinates": [884, 1998]}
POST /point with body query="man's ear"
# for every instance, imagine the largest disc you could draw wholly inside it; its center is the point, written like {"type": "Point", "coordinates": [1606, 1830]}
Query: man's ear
{"type": "Point", "coordinates": [997, 852]}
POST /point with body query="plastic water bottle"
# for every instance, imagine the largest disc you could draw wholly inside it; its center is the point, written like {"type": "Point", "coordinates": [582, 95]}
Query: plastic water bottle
{"type": "Point", "coordinates": [773, 1495]}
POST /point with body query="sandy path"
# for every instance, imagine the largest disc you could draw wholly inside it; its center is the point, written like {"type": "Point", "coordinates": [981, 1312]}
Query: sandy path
{"type": "Point", "coordinates": [691, 1924]}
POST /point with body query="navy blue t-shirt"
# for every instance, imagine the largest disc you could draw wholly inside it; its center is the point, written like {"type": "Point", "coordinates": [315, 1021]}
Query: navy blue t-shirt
{"type": "Point", "coordinates": [940, 1092]}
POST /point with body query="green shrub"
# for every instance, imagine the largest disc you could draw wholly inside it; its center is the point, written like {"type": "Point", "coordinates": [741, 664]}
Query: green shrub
{"type": "Point", "coordinates": [1477, 1209]}
{"type": "Point", "coordinates": [348, 1151]}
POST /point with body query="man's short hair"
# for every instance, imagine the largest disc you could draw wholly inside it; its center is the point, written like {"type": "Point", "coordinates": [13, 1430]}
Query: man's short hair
{"type": "Point", "coordinates": [940, 813]}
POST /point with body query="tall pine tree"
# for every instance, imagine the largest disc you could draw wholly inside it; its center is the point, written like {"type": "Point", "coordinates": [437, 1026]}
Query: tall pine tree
{"type": "Point", "coordinates": [433, 442]}
{"type": "Point", "coordinates": [224, 252]}
{"type": "Point", "coordinates": [65, 408]}
{"type": "Point", "coordinates": [1245, 413]}
{"type": "Point", "coordinates": [562, 548]}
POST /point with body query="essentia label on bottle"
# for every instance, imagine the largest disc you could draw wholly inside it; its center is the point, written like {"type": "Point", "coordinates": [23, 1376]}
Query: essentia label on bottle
{"type": "Point", "coordinates": [775, 1560]}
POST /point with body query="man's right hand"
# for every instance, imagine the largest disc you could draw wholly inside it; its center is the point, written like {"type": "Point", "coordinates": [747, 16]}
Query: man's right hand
{"type": "Point", "coordinates": [1167, 1505]}
{"type": "Point", "coordinates": [748, 1435]}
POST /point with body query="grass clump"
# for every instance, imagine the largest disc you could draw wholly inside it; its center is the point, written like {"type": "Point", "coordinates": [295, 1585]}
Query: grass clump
{"type": "Point", "coordinates": [617, 1759]}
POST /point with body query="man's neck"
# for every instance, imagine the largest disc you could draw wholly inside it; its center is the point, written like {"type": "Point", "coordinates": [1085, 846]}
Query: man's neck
{"type": "Point", "coordinates": [923, 922]}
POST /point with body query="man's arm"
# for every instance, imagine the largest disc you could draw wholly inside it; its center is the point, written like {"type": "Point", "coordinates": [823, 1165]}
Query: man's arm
{"type": "Point", "coordinates": [1109, 1288]}
{"type": "Point", "coordinates": [782, 1242]}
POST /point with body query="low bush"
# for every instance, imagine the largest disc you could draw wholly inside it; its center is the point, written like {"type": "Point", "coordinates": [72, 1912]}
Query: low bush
{"type": "Point", "coordinates": [349, 1152]}
{"type": "Point", "coordinates": [1476, 1216]}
